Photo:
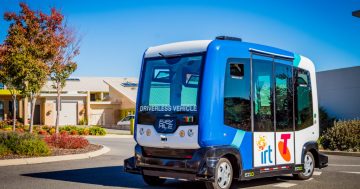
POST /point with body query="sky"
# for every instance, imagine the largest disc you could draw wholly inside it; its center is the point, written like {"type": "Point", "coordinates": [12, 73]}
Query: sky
{"type": "Point", "coordinates": [114, 34]}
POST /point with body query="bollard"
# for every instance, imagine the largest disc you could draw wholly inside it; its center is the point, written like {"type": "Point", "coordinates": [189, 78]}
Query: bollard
{"type": "Point", "coordinates": [132, 121]}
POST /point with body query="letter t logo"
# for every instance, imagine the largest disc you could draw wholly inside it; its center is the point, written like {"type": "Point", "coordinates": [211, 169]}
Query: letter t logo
{"type": "Point", "coordinates": [285, 137]}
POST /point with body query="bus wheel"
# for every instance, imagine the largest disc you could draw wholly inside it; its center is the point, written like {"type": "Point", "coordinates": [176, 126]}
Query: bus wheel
{"type": "Point", "coordinates": [223, 175]}
{"type": "Point", "coordinates": [309, 166]}
{"type": "Point", "coordinates": [153, 180]}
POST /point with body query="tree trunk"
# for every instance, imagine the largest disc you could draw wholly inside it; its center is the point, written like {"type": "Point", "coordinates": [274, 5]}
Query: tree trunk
{"type": "Point", "coordinates": [58, 104]}
{"type": "Point", "coordinates": [32, 106]}
{"type": "Point", "coordinates": [14, 111]}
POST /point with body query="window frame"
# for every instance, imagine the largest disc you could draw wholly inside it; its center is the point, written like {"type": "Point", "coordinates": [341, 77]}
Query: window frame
{"type": "Point", "coordinates": [242, 61]}
{"type": "Point", "coordinates": [309, 85]}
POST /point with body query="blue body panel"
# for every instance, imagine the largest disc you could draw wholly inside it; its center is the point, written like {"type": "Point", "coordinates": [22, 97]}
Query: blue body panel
{"type": "Point", "coordinates": [212, 131]}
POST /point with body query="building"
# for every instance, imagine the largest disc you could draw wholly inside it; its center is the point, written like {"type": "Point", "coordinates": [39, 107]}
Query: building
{"type": "Point", "coordinates": [339, 92]}
{"type": "Point", "coordinates": [84, 100]}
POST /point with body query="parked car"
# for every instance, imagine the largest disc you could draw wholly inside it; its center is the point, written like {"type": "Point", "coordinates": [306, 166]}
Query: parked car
{"type": "Point", "coordinates": [126, 120]}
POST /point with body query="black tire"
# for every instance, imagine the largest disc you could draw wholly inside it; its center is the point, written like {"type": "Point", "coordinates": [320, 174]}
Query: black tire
{"type": "Point", "coordinates": [308, 171]}
{"type": "Point", "coordinates": [217, 182]}
{"type": "Point", "coordinates": [153, 180]}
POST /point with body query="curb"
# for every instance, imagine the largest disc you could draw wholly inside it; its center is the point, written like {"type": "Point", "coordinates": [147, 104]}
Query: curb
{"type": "Point", "coordinates": [36, 160]}
{"type": "Point", "coordinates": [340, 153]}
{"type": "Point", "coordinates": [110, 136]}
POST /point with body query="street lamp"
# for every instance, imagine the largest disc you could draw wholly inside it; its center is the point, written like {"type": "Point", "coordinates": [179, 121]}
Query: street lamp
{"type": "Point", "coordinates": [356, 13]}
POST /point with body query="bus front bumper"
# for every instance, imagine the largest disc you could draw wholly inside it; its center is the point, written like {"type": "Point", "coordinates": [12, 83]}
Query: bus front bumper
{"type": "Point", "coordinates": [199, 167]}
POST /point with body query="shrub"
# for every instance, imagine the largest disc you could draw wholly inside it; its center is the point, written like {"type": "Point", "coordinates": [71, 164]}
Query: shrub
{"type": "Point", "coordinates": [344, 136]}
{"type": "Point", "coordinates": [52, 131]}
{"type": "Point", "coordinates": [36, 147]}
{"type": "Point", "coordinates": [66, 141]}
{"type": "Point", "coordinates": [74, 132]}
{"type": "Point", "coordinates": [86, 131]}
{"type": "Point", "coordinates": [24, 144]}
{"type": "Point", "coordinates": [83, 121]}
{"type": "Point", "coordinates": [96, 130]}
{"type": "Point", "coordinates": [42, 132]}
{"type": "Point", "coordinates": [4, 150]}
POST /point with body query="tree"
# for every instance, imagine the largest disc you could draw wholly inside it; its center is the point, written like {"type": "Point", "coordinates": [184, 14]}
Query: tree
{"type": "Point", "coordinates": [31, 44]}
{"type": "Point", "coordinates": [63, 64]}
{"type": "Point", "coordinates": [10, 78]}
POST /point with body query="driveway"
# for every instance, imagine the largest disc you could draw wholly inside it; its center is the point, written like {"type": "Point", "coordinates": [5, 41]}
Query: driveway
{"type": "Point", "coordinates": [106, 171]}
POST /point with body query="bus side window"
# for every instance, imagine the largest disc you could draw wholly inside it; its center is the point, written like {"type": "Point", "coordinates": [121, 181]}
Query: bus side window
{"type": "Point", "coordinates": [237, 107]}
{"type": "Point", "coordinates": [303, 99]}
{"type": "Point", "coordinates": [263, 94]}
{"type": "Point", "coordinates": [284, 97]}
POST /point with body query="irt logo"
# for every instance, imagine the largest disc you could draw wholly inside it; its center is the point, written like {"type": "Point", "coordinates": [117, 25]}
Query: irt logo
{"type": "Point", "coordinates": [263, 155]}
{"type": "Point", "coordinates": [283, 148]}
{"type": "Point", "coordinates": [265, 150]}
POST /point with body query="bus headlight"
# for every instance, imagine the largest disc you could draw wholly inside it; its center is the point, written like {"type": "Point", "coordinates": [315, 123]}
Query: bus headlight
{"type": "Point", "coordinates": [190, 133]}
{"type": "Point", "coordinates": [141, 131]}
{"type": "Point", "coordinates": [182, 133]}
{"type": "Point", "coordinates": [148, 132]}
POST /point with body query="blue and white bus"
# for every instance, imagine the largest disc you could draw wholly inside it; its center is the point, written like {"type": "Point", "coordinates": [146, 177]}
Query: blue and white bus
{"type": "Point", "coordinates": [223, 109]}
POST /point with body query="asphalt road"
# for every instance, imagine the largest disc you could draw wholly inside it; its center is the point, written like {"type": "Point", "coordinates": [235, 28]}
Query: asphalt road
{"type": "Point", "coordinates": [106, 172]}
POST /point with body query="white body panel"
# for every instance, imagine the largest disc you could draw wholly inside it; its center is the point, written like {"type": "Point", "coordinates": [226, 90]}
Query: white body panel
{"type": "Point", "coordinates": [285, 148]}
{"type": "Point", "coordinates": [264, 149]}
{"type": "Point", "coordinates": [311, 133]}
{"type": "Point", "coordinates": [178, 48]}
{"type": "Point", "coordinates": [173, 140]}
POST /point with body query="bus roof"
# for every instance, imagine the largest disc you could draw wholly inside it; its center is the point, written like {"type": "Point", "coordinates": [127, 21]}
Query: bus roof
{"type": "Point", "coordinates": [195, 46]}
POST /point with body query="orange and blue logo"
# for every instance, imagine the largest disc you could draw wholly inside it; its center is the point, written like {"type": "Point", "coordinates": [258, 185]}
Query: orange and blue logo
{"type": "Point", "coordinates": [283, 148]}
{"type": "Point", "coordinates": [265, 150]}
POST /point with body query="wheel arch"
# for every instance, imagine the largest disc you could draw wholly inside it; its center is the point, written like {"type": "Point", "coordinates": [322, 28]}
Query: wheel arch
{"type": "Point", "coordinates": [312, 147]}
{"type": "Point", "coordinates": [232, 154]}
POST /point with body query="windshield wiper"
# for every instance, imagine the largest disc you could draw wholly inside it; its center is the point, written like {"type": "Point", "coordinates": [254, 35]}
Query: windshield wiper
{"type": "Point", "coordinates": [170, 56]}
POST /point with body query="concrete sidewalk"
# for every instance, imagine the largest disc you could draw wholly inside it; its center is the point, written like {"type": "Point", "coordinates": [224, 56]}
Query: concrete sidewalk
{"type": "Point", "coordinates": [35, 160]}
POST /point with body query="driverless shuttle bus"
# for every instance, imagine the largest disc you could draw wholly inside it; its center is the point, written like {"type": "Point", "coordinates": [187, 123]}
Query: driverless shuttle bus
{"type": "Point", "coordinates": [223, 109]}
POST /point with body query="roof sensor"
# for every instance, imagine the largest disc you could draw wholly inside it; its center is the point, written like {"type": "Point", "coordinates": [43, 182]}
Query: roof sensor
{"type": "Point", "coordinates": [223, 37]}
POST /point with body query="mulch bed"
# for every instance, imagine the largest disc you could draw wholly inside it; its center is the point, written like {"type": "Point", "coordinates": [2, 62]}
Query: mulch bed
{"type": "Point", "coordinates": [59, 152]}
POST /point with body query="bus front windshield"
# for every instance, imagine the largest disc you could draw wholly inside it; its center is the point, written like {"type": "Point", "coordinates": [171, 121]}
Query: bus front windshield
{"type": "Point", "coordinates": [171, 84]}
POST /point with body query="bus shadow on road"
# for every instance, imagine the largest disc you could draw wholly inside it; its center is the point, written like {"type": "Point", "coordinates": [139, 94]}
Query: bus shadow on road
{"type": "Point", "coordinates": [114, 176]}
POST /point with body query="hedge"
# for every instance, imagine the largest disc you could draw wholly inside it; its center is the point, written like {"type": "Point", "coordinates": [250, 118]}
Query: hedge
{"type": "Point", "coordinates": [343, 136]}
{"type": "Point", "coordinates": [24, 144]}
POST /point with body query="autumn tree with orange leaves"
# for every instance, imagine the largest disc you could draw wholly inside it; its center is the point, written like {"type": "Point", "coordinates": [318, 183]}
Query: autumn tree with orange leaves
{"type": "Point", "coordinates": [36, 47]}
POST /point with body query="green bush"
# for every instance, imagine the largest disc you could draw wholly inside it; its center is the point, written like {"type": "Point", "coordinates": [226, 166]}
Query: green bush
{"type": "Point", "coordinates": [4, 150]}
{"type": "Point", "coordinates": [96, 130]}
{"type": "Point", "coordinates": [24, 144]}
{"type": "Point", "coordinates": [36, 147]}
{"type": "Point", "coordinates": [83, 121]}
{"type": "Point", "coordinates": [343, 136]}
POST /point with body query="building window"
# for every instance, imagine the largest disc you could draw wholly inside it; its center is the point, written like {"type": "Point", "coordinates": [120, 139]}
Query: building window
{"type": "Point", "coordinates": [11, 108]}
{"type": "Point", "coordinates": [92, 97]}
{"type": "Point", "coordinates": [303, 99]}
{"type": "Point", "coordinates": [106, 96]}
{"type": "Point", "coordinates": [284, 97]}
{"type": "Point", "coordinates": [237, 107]}
{"type": "Point", "coordinates": [263, 94]}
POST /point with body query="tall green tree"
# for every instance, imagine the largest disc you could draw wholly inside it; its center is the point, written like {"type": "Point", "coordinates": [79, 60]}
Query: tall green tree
{"type": "Point", "coordinates": [63, 65]}
{"type": "Point", "coordinates": [31, 45]}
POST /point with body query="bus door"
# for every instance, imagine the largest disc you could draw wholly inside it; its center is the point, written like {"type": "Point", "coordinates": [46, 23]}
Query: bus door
{"type": "Point", "coordinates": [272, 112]}
{"type": "Point", "coordinates": [284, 119]}
{"type": "Point", "coordinates": [263, 111]}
